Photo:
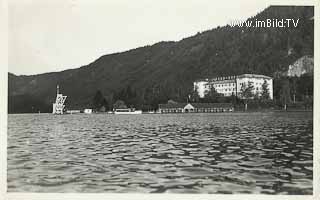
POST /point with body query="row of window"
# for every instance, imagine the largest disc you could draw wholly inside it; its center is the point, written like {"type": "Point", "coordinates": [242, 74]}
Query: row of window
{"type": "Point", "coordinates": [226, 90]}
{"type": "Point", "coordinates": [232, 84]}
{"type": "Point", "coordinates": [228, 94]}
{"type": "Point", "coordinates": [233, 90]}
{"type": "Point", "coordinates": [251, 83]}
{"type": "Point", "coordinates": [224, 85]}
{"type": "Point", "coordinates": [222, 90]}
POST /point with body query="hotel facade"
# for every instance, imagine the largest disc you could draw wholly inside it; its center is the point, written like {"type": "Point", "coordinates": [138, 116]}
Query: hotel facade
{"type": "Point", "coordinates": [231, 85]}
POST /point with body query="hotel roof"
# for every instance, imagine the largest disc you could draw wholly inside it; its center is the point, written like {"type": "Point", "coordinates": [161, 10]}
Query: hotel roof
{"type": "Point", "coordinates": [228, 78]}
{"type": "Point", "coordinates": [253, 76]}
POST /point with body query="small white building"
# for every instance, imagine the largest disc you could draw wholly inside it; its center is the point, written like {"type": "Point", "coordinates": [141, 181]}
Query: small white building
{"type": "Point", "coordinates": [88, 111]}
{"type": "Point", "coordinates": [231, 85]}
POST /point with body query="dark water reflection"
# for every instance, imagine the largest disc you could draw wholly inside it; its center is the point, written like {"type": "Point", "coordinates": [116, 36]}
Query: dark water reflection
{"type": "Point", "coordinates": [267, 153]}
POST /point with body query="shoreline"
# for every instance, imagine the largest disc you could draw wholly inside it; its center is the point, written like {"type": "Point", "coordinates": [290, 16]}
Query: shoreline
{"type": "Point", "coordinates": [146, 113]}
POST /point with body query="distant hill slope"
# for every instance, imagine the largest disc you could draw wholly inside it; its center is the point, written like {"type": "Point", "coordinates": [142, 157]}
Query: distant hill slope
{"type": "Point", "coordinates": [167, 69]}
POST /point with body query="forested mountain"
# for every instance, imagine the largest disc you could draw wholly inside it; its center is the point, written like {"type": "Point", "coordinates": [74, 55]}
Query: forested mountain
{"type": "Point", "coordinates": [149, 75]}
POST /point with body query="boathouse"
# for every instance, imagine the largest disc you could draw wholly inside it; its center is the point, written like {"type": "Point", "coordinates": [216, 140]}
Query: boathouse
{"type": "Point", "coordinates": [172, 108]}
{"type": "Point", "coordinates": [195, 107]}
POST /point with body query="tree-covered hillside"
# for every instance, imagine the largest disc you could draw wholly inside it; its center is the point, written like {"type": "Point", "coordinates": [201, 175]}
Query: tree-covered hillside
{"type": "Point", "coordinates": [149, 75]}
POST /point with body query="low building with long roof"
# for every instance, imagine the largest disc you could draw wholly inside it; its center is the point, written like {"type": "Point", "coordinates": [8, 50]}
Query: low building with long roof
{"type": "Point", "coordinates": [195, 107]}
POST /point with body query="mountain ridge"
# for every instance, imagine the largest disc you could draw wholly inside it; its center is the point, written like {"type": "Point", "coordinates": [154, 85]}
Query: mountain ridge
{"type": "Point", "coordinates": [166, 70]}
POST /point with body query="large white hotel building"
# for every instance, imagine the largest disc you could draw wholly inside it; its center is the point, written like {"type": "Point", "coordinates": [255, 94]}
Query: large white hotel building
{"type": "Point", "coordinates": [232, 84]}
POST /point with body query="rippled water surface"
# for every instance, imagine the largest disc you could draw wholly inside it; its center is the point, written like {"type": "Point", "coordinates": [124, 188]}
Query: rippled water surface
{"type": "Point", "coordinates": [267, 153]}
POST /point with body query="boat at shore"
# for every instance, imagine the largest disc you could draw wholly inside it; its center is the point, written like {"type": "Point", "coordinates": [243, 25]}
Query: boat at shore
{"type": "Point", "coordinates": [128, 111]}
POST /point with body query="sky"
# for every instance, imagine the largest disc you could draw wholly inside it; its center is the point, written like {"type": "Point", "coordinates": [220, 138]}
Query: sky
{"type": "Point", "coordinates": [55, 35]}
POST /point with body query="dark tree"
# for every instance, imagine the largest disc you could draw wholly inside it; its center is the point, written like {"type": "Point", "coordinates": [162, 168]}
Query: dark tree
{"type": "Point", "coordinates": [211, 95]}
{"type": "Point", "coordinates": [105, 105]}
{"type": "Point", "coordinates": [119, 104]}
{"type": "Point", "coordinates": [99, 102]}
{"type": "Point", "coordinates": [293, 88]}
{"type": "Point", "coordinates": [194, 97]}
{"type": "Point", "coordinates": [265, 95]}
{"type": "Point", "coordinates": [246, 93]}
{"type": "Point", "coordinates": [285, 93]}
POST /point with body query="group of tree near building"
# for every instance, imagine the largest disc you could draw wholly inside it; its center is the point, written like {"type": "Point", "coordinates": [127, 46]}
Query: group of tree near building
{"type": "Point", "coordinates": [101, 103]}
{"type": "Point", "coordinates": [288, 93]}
{"type": "Point", "coordinates": [246, 96]}
{"type": "Point", "coordinates": [294, 92]}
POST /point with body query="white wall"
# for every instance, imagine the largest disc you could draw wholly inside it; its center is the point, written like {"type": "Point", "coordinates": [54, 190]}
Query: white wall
{"type": "Point", "coordinates": [201, 87]}
{"type": "Point", "coordinates": [257, 84]}
{"type": "Point", "coordinates": [228, 87]}
{"type": "Point", "coordinates": [224, 88]}
{"type": "Point", "coordinates": [270, 87]}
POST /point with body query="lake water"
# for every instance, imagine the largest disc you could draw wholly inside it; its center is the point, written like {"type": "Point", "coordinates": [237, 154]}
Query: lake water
{"type": "Point", "coordinates": [269, 153]}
